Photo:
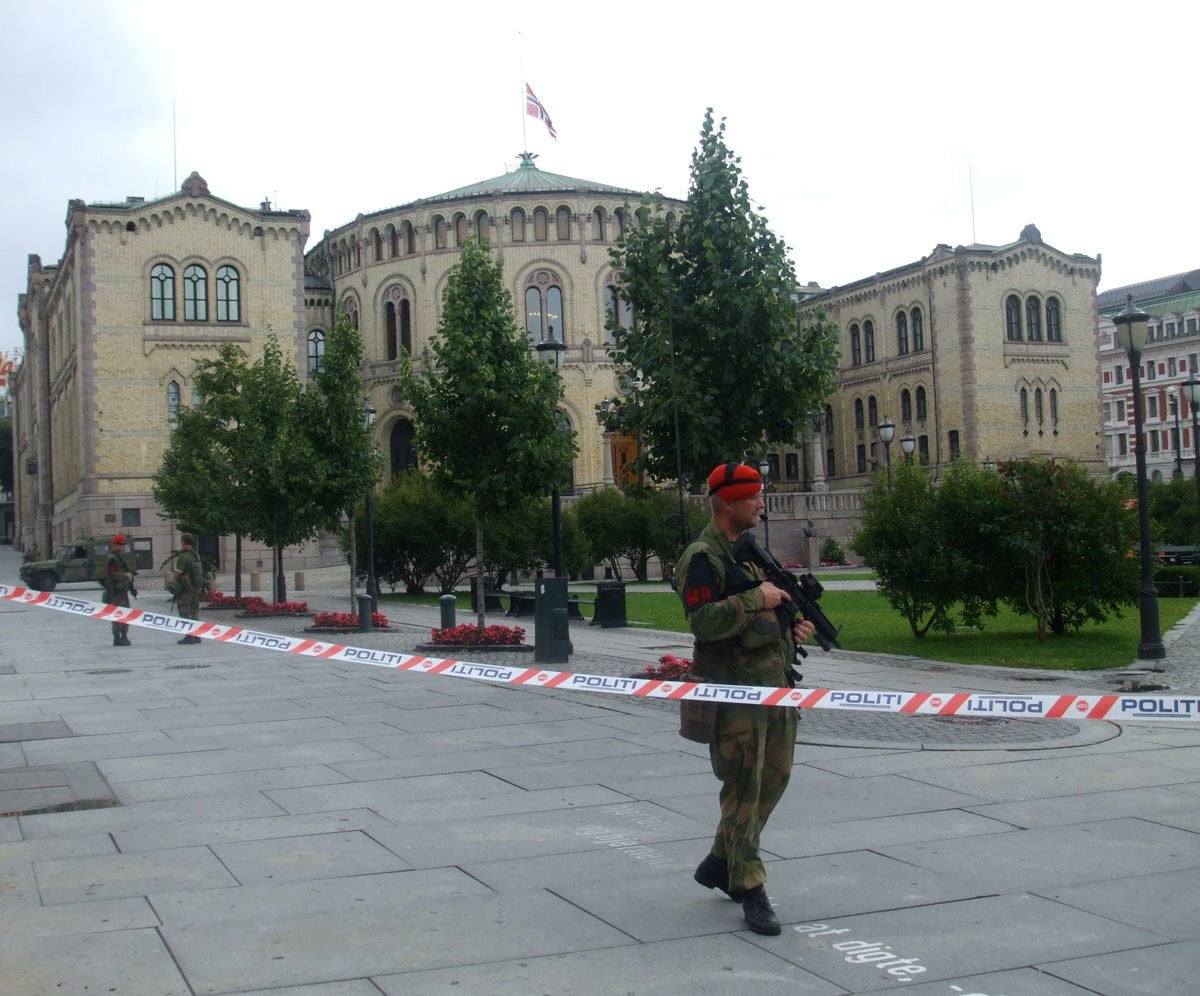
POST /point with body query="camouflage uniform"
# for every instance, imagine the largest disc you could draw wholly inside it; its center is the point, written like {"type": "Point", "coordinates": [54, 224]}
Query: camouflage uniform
{"type": "Point", "coordinates": [737, 641]}
{"type": "Point", "coordinates": [187, 569]}
{"type": "Point", "coordinates": [116, 592]}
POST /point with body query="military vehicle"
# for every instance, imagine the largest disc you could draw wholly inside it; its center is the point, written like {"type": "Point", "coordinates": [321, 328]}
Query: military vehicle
{"type": "Point", "coordinates": [85, 560]}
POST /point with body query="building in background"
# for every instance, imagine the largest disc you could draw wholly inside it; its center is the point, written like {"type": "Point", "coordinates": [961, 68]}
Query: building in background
{"type": "Point", "coordinates": [113, 332]}
{"type": "Point", "coordinates": [1171, 356]}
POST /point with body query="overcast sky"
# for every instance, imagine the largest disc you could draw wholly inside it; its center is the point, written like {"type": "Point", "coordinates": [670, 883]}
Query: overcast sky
{"type": "Point", "coordinates": [862, 127]}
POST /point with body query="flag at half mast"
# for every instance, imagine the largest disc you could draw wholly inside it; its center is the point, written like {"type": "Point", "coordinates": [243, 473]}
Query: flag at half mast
{"type": "Point", "coordinates": [535, 109]}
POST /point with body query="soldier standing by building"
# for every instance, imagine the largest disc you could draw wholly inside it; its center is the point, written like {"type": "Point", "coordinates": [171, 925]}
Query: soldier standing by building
{"type": "Point", "coordinates": [189, 572]}
{"type": "Point", "coordinates": [118, 585]}
{"type": "Point", "coordinates": [730, 611]}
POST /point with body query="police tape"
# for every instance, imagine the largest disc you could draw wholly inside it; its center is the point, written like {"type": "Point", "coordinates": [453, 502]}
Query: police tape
{"type": "Point", "coordinates": [1077, 707]}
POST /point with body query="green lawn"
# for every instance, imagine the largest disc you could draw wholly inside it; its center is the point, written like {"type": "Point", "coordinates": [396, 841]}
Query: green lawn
{"type": "Point", "coordinates": [869, 624]}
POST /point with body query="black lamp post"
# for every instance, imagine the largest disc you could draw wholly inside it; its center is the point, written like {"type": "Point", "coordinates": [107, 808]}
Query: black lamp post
{"type": "Point", "coordinates": [764, 468]}
{"type": "Point", "coordinates": [368, 414]}
{"type": "Point", "coordinates": [1132, 325]}
{"type": "Point", "coordinates": [551, 349]}
{"type": "Point", "coordinates": [1192, 388]}
{"type": "Point", "coordinates": [887, 432]}
{"type": "Point", "coordinates": [909, 445]}
{"type": "Point", "coordinates": [1173, 401]}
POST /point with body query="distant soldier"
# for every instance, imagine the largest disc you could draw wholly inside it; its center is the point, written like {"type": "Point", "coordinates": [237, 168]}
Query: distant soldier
{"type": "Point", "coordinates": [189, 572]}
{"type": "Point", "coordinates": [118, 586]}
{"type": "Point", "coordinates": [33, 554]}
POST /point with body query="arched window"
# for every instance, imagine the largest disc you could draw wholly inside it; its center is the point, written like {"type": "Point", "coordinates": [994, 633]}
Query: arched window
{"type": "Point", "coordinates": [872, 411]}
{"type": "Point", "coordinates": [855, 347]}
{"type": "Point", "coordinates": [901, 333]}
{"type": "Point", "coordinates": [562, 220]}
{"type": "Point", "coordinates": [1053, 320]}
{"type": "Point", "coordinates": [869, 339]}
{"type": "Point", "coordinates": [541, 224]}
{"type": "Point", "coordinates": [1037, 406]}
{"type": "Point", "coordinates": [829, 420]}
{"type": "Point", "coordinates": [618, 222]}
{"type": "Point", "coordinates": [1024, 406]}
{"type": "Point", "coordinates": [393, 240]}
{"type": "Point", "coordinates": [1033, 319]}
{"type": "Point", "coordinates": [905, 406]}
{"type": "Point", "coordinates": [397, 323]}
{"type": "Point", "coordinates": [195, 294]}
{"type": "Point", "coordinates": [403, 450]}
{"type": "Point", "coordinates": [173, 404]}
{"type": "Point", "coordinates": [1012, 317]}
{"type": "Point", "coordinates": [1054, 408]}
{"type": "Point", "coordinates": [518, 225]}
{"type": "Point", "coordinates": [441, 233]}
{"type": "Point", "coordinates": [615, 307]}
{"type": "Point", "coordinates": [462, 230]}
{"type": "Point", "coordinates": [859, 419]}
{"type": "Point", "coordinates": [918, 330]}
{"type": "Point", "coordinates": [922, 407]}
{"type": "Point", "coordinates": [316, 351]}
{"type": "Point", "coordinates": [377, 245]}
{"type": "Point", "coordinates": [229, 295]}
{"type": "Point", "coordinates": [162, 293]}
{"type": "Point", "coordinates": [598, 225]}
{"type": "Point", "coordinates": [408, 238]}
{"type": "Point", "coordinates": [544, 308]}
{"type": "Point", "coordinates": [483, 227]}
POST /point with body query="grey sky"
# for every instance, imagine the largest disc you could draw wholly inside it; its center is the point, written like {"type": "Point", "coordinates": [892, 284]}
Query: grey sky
{"type": "Point", "coordinates": [858, 124]}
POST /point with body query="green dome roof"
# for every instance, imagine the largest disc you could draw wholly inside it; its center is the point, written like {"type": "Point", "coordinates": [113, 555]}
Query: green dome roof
{"type": "Point", "coordinates": [527, 178]}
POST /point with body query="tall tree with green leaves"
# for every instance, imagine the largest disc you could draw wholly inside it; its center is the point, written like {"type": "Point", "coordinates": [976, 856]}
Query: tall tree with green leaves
{"type": "Point", "coordinates": [715, 365]}
{"type": "Point", "coordinates": [486, 419]}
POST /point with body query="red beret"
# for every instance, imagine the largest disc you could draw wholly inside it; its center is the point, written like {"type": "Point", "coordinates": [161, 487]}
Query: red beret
{"type": "Point", "coordinates": [734, 481]}
{"type": "Point", "coordinates": [118, 538]}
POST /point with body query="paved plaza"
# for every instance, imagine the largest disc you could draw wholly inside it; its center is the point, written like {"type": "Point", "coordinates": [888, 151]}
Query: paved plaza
{"type": "Point", "coordinates": [217, 819]}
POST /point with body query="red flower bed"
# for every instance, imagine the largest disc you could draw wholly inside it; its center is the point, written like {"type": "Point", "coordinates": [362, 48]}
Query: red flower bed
{"type": "Point", "coordinates": [217, 600]}
{"type": "Point", "coordinates": [492, 635]}
{"type": "Point", "coordinates": [347, 620]}
{"type": "Point", "coordinates": [261, 608]}
{"type": "Point", "coordinates": [669, 668]}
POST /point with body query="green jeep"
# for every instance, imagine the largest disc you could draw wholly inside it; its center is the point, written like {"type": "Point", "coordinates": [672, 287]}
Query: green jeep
{"type": "Point", "coordinates": [85, 560]}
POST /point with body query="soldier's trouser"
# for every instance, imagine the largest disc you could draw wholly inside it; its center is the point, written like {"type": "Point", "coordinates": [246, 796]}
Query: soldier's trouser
{"type": "Point", "coordinates": [189, 605]}
{"type": "Point", "coordinates": [120, 630]}
{"type": "Point", "coordinates": [752, 756]}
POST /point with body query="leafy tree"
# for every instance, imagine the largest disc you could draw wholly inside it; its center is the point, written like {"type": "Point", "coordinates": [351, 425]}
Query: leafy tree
{"type": "Point", "coordinates": [714, 359]}
{"type": "Point", "coordinates": [603, 518]}
{"type": "Point", "coordinates": [1070, 537]}
{"type": "Point", "coordinates": [6, 455]}
{"type": "Point", "coordinates": [1173, 512]}
{"type": "Point", "coordinates": [485, 407]}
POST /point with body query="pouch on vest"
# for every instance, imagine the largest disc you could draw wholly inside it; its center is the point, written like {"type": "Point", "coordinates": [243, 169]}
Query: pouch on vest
{"type": "Point", "coordinates": [763, 630]}
{"type": "Point", "coordinates": [698, 721]}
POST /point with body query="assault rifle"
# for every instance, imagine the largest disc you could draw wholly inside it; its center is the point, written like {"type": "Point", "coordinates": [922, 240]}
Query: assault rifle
{"type": "Point", "coordinates": [803, 592]}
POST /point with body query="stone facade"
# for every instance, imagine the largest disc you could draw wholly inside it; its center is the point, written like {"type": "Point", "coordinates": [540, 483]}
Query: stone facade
{"type": "Point", "coordinates": [985, 352]}
{"type": "Point", "coordinates": [552, 236]}
{"type": "Point", "coordinates": [113, 333]}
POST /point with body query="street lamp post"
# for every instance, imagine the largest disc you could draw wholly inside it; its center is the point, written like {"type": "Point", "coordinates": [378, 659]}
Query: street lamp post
{"type": "Point", "coordinates": [1173, 401]}
{"type": "Point", "coordinates": [1132, 325]}
{"type": "Point", "coordinates": [552, 349]}
{"type": "Point", "coordinates": [1192, 388]}
{"type": "Point", "coordinates": [887, 432]}
{"type": "Point", "coordinates": [909, 445]}
{"type": "Point", "coordinates": [764, 468]}
{"type": "Point", "coordinates": [368, 413]}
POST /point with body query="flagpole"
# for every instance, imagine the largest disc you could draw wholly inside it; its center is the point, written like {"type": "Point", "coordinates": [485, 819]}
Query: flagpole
{"type": "Point", "coordinates": [524, 114]}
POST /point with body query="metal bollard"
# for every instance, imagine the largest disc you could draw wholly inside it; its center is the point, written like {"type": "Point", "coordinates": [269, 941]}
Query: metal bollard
{"type": "Point", "coordinates": [448, 603]}
{"type": "Point", "coordinates": [364, 613]}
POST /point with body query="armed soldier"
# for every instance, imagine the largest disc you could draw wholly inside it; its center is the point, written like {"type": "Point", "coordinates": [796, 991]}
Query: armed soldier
{"type": "Point", "coordinates": [189, 572]}
{"type": "Point", "coordinates": [731, 613]}
{"type": "Point", "coordinates": [118, 585]}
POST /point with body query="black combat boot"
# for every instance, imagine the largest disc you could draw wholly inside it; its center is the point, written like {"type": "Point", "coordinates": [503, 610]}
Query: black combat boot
{"type": "Point", "coordinates": [189, 639]}
{"type": "Point", "coordinates": [713, 873]}
{"type": "Point", "coordinates": [757, 909]}
{"type": "Point", "coordinates": [117, 640]}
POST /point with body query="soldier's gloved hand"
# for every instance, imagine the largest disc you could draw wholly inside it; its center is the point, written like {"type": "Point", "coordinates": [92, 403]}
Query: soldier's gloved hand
{"type": "Point", "coordinates": [133, 589]}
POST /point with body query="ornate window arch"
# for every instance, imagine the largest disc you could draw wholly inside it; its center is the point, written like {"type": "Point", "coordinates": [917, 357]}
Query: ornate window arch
{"type": "Point", "coordinates": [517, 224]}
{"type": "Point", "coordinates": [544, 317]}
{"type": "Point", "coordinates": [377, 245]}
{"type": "Point", "coordinates": [316, 351]}
{"type": "Point", "coordinates": [408, 238]}
{"type": "Point", "coordinates": [869, 340]}
{"type": "Point", "coordinates": [462, 230]}
{"type": "Point", "coordinates": [855, 346]}
{"type": "Point", "coordinates": [901, 333]}
{"type": "Point", "coordinates": [229, 294]}
{"type": "Point", "coordinates": [1033, 318]}
{"type": "Point", "coordinates": [541, 224]}
{"type": "Point", "coordinates": [195, 293]}
{"type": "Point", "coordinates": [483, 227]}
{"type": "Point", "coordinates": [162, 293]}
{"type": "Point", "coordinates": [922, 404]}
{"type": "Point", "coordinates": [917, 323]}
{"type": "Point", "coordinates": [598, 225]}
{"type": "Point", "coordinates": [906, 407]}
{"type": "Point", "coordinates": [562, 224]}
{"type": "Point", "coordinates": [397, 322]}
{"type": "Point", "coordinates": [1012, 317]}
{"type": "Point", "coordinates": [1053, 320]}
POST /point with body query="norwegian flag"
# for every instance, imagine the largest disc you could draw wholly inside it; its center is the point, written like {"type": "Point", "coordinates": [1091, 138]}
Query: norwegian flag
{"type": "Point", "coordinates": [535, 109]}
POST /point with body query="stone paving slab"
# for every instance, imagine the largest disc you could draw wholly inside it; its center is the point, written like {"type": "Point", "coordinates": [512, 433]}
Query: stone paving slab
{"type": "Point", "coordinates": [254, 780]}
{"type": "Point", "coordinates": [1168, 968]}
{"type": "Point", "coordinates": [312, 856]}
{"type": "Point", "coordinates": [295, 947]}
{"type": "Point", "coordinates": [131, 962]}
{"type": "Point", "coordinates": [114, 876]}
{"type": "Point", "coordinates": [1163, 903]}
{"type": "Point", "coordinates": [265, 828]}
{"type": "Point", "coordinates": [642, 969]}
{"type": "Point", "coordinates": [951, 940]}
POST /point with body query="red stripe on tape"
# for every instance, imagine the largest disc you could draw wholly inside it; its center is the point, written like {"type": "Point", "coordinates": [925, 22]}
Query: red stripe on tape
{"type": "Point", "coordinates": [915, 703]}
{"type": "Point", "coordinates": [1061, 705]}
